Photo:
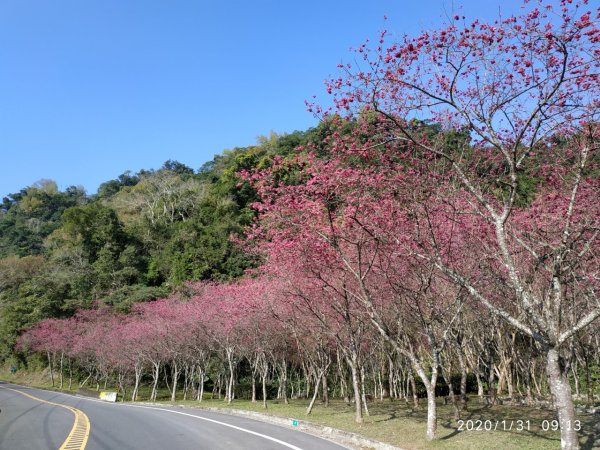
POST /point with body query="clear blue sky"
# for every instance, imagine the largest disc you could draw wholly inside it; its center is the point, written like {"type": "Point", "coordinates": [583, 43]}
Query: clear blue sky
{"type": "Point", "coordinates": [92, 88]}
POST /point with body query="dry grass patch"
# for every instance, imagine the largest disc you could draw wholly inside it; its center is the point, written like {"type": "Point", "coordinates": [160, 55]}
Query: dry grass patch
{"type": "Point", "coordinates": [399, 425]}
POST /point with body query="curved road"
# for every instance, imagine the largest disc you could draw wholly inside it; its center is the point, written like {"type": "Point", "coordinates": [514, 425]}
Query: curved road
{"type": "Point", "coordinates": [32, 419]}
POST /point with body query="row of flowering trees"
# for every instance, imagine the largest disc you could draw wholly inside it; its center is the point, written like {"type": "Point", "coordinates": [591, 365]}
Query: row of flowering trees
{"type": "Point", "coordinates": [453, 218]}
{"type": "Point", "coordinates": [168, 335]}
{"type": "Point", "coordinates": [517, 104]}
{"type": "Point", "coordinates": [413, 253]}
{"type": "Point", "coordinates": [305, 332]}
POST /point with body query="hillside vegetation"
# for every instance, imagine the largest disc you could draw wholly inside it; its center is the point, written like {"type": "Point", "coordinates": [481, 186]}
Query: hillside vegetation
{"type": "Point", "coordinates": [137, 239]}
{"type": "Point", "coordinates": [438, 234]}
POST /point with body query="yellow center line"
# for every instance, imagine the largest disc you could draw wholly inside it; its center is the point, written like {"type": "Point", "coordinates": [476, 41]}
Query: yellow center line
{"type": "Point", "coordinates": [78, 437]}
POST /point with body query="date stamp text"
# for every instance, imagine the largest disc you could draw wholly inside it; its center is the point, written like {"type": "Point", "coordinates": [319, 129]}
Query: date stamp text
{"type": "Point", "coordinates": [516, 425]}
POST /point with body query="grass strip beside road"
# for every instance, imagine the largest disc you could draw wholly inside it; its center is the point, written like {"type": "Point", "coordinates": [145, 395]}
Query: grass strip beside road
{"type": "Point", "coordinates": [400, 425]}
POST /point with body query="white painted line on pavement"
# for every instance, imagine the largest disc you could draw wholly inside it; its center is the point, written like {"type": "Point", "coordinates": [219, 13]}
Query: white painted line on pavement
{"type": "Point", "coordinates": [286, 444]}
{"type": "Point", "coordinates": [264, 436]}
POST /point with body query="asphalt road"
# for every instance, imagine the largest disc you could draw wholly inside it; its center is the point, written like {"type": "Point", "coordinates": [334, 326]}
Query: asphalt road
{"type": "Point", "coordinates": [28, 423]}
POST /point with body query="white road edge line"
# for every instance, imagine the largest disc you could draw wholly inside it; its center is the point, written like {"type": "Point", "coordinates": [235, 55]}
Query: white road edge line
{"type": "Point", "coordinates": [264, 436]}
{"type": "Point", "coordinates": [286, 444]}
{"type": "Point", "coordinates": [129, 405]}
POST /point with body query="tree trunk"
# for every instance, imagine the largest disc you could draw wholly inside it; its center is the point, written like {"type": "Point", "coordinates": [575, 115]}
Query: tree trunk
{"type": "Point", "coordinates": [563, 401]}
{"type": "Point", "coordinates": [413, 387]}
{"type": "Point", "coordinates": [120, 384]}
{"type": "Point", "coordinates": [491, 387]}
{"type": "Point", "coordinates": [463, 381]}
{"type": "Point", "coordinates": [448, 380]}
{"type": "Point", "coordinates": [264, 389]}
{"type": "Point", "coordinates": [84, 382]}
{"type": "Point", "coordinates": [50, 366]}
{"type": "Point", "coordinates": [307, 381]}
{"type": "Point", "coordinates": [534, 378]}
{"type": "Point", "coordinates": [357, 392]}
{"type": "Point", "coordinates": [217, 387]}
{"type": "Point", "coordinates": [284, 381]}
{"type": "Point", "coordinates": [62, 357]}
{"type": "Point", "coordinates": [314, 397]}
{"type": "Point", "coordinates": [528, 387]}
{"type": "Point", "coordinates": [189, 372]}
{"type": "Point", "coordinates": [479, 385]}
{"type": "Point", "coordinates": [589, 382]}
{"type": "Point", "coordinates": [155, 375]}
{"type": "Point", "coordinates": [325, 391]}
{"type": "Point", "coordinates": [136, 386]}
{"type": "Point", "coordinates": [575, 371]}
{"type": "Point", "coordinates": [200, 395]}
{"type": "Point", "coordinates": [391, 377]}
{"type": "Point", "coordinates": [363, 394]}
{"type": "Point", "coordinates": [430, 384]}
{"type": "Point", "coordinates": [431, 413]}
{"type": "Point", "coordinates": [382, 390]}
{"type": "Point", "coordinates": [229, 396]}
{"type": "Point", "coordinates": [174, 379]}
{"type": "Point", "coordinates": [70, 373]}
{"type": "Point", "coordinates": [263, 366]}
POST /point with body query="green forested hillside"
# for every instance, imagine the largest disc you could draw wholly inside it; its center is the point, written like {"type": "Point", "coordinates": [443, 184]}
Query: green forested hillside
{"type": "Point", "coordinates": [138, 238]}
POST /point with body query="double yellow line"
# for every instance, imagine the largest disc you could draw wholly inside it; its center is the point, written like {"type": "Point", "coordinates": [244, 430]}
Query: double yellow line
{"type": "Point", "coordinates": [80, 433]}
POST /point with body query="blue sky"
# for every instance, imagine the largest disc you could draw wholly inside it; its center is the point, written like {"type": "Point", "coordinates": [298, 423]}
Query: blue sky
{"type": "Point", "coordinates": [92, 88]}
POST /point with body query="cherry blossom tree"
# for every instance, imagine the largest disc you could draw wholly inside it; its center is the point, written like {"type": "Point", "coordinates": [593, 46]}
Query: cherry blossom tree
{"type": "Point", "coordinates": [51, 337]}
{"type": "Point", "coordinates": [524, 92]}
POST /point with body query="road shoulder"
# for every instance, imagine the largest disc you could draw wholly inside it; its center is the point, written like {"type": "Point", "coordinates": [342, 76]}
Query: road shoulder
{"type": "Point", "coordinates": [346, 438]}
